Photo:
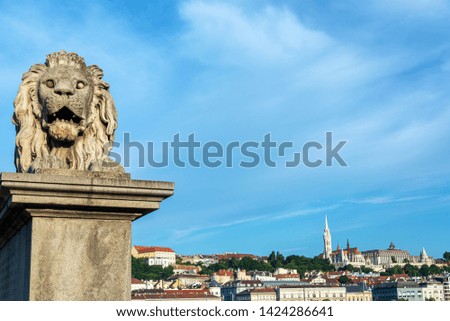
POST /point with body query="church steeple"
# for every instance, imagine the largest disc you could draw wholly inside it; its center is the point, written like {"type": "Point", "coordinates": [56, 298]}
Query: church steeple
{"type": "Point", "coordinates": [423, 256]}
{"type": "Point", "coordinates": [327, 241]}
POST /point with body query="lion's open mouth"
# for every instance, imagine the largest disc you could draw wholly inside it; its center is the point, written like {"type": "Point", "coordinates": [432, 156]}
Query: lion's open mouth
{"type": "Point", "coordinates": [64, 125]}
{"type": "Point", "coordinates": [64, 115]}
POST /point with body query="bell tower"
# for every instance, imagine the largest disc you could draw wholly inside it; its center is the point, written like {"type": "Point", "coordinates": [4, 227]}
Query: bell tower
{"type": "Point", "coordinates": [327, 241]}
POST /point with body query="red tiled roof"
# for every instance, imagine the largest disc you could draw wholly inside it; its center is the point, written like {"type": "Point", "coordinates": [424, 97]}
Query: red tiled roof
{"type": "Point", "coordinates": [235, 256]}
{"type": "Point", "coordinates": [174, 294]}
{"type": "Point", "coordinates": [186, 267]}
{"type": "Point", "coordinates": [146, 249]}
{"type": "Point", "coordinates": [136, 281]}
{"type": "Point", "coordinates": [224, 273]}
{"type": "Point", "coordinates": [287, 276]}
{"type": "Point", "coordinates": [353, 250]}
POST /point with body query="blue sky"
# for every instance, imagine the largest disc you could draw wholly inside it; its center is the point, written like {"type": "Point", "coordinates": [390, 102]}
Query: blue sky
{"type": "Point", "coordinates": [374, 74]}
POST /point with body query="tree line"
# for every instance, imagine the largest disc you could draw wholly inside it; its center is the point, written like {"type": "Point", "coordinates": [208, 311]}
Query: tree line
{"type": "Point", "coordinates": [141, 270]}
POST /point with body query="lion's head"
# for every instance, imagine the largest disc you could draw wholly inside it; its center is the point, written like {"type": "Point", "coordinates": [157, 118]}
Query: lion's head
{"type": "Point", "coordinates": [64, 115]}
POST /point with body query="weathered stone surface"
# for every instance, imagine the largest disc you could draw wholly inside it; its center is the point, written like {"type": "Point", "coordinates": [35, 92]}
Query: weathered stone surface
{"type": "Point", "coordinates": [15, 266]}
{"type": "Point", "coordinates": [65, 117]}
{"type": "Point", "coordinates": [78, 259]}
{"type": "Point", "coordinates": [65, 230]}
{"type": "Point", "coordinates": [68, 237]}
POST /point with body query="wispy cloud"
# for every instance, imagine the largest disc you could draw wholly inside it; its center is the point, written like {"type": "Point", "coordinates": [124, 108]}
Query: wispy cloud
{"type": "Point", "coordinates": [387, 199]}
{"type": "Point", "coordinates": [232, 35]}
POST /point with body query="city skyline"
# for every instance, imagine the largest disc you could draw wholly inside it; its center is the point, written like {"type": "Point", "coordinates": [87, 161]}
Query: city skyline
{"type": "Point", "coordinates": [334, 247]}
{"type": "Point", "coordinates": [374, 75]}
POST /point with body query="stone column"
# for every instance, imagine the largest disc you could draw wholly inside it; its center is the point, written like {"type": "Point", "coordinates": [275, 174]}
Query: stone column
{"type": "Point", "coordinates": [66, 235]}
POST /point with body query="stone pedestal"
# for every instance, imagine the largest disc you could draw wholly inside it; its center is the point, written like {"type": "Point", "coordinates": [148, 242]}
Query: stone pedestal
{"type": "Point", "coordinates": [67, 235]}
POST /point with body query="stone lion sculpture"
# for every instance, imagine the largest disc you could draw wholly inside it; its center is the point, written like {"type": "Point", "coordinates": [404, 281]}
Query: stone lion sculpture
{"type": "Point", "coordinates": [65, 117]}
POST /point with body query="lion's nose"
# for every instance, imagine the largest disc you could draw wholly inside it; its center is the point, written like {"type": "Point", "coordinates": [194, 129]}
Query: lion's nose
{"type": "Point", "coordinates": [64, 88]}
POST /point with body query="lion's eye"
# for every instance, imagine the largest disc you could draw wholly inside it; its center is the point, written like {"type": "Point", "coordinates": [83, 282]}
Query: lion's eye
{"type": "Point", "coordinates": [50, 83]}
{"type": "Point", "coordinates": [80, 85]}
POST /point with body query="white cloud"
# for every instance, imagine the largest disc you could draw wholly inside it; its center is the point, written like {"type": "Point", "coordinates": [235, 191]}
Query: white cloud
{"type": "Point", "coordinates": [379, 200]}
{"type": "Point", "coordinates": [228, 34]}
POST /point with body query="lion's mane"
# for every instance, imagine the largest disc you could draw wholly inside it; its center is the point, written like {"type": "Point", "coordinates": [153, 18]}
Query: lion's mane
{"type": "Point", "coordinates": [32, 140]}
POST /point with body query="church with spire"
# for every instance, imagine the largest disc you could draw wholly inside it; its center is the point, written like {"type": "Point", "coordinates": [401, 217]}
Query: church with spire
{"type": "Point", "coordinates": [377, 259]}
{"type": "Point", "coordinates": [327, 241]}
{"type": "Point", "coordinates": [340, 257]}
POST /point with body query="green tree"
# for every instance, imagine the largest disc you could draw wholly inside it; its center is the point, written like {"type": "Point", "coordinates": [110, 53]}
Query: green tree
{"type": "Point", "coordinates": [446, 256]}
{"type": "Point", "coordinates": [434, 269]}
{"type": "Point", "coordinates": [343, 279]}
{"type": "Point", "coordinates": [411, 270]}
{"type": "Point", "coordinates": [350, 268]}
{"type": "Point", "coordinates": [142, 271]}
{"type": "Point", "coordinates": [424, 270]}
{"type": "Point", "coordinates": [366, 269]}
{"type": "Point", "coordinates": [394, 270]}
{"type": "Point", "coordinates": [393, 259]}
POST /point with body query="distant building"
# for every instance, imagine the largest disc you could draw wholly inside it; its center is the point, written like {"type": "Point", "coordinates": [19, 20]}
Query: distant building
{"type": "Point", "coordinates": [285, 271]}
{"type": "Point", "coordinates": [287, 277]}
{"type": "Point", "coordinates": [327, 248]}
{"type": "Point", "coordinates": [259, 294]}
{"type": "Point", "coordinates": [214, 288]}
{"type": "Point", "coordinates": [274, 284]}
{"type": "Point", "coordinates": [394, 291]}
{"type": "Point", "coordinates": [389, 257]}
{"type": "Point", "coordinates": [186, 269]}
{"type": "Point", "coordinates": [349, 255]}
{"type": "Point", "coordinates": [446, 286]}
{"type": "Point", "coordinates": [424, 258]}
{"type": "Point", "coordinates": [238, 256]}
{"type": "Point", "coordinates": [206, 260]}
{"type": "Point", "coordinates": [223, 276]}
{"type": "Point", "coordinates": [138, 284]}
{"type": "Point", "coordinates": [340, 257]}
{"type": "Point", "coordinates": [433, 291]}
{"type": "Point", "coordinates": [231, 289]}
{"type": "Point", "coordinates": [263, 276]}
{"type": "Point", "coordinates": [311, 293]}
{"type": "Point", "coordinates": [187, 281]}
{"type": "Point", "coordinates": [175, 295]}
{"type": "Point", "coordinates": [155, 255]}
{"type": "Point", "coordinates": [242, 275]}
{"type": "Point", "coordinates": [358, 293]}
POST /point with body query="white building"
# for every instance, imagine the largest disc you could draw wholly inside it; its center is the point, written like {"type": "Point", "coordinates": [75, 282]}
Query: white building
{"type": "Point", "coordinates": [389, 257]}
{"type": "Point", "coordinates": [433, 291]}
{"type": "Point", "coordinates": [340, 257]}
{"type": "Point", "coordinates": [424, 258]}
{"type": "Point", "coordinates": [446, 286]}
{"type": "Point", "coordinates": [155, 255]}
{"type": "Point", "coordinates": [327, 249]}
{"type": "Point", "coordinates": [311, 293]}
{"type": "Point", "coordinates": [140, 285]}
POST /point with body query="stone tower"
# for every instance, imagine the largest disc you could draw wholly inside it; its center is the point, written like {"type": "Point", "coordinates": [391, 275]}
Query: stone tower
{"type": "Point", "coordinates": [327, 241]}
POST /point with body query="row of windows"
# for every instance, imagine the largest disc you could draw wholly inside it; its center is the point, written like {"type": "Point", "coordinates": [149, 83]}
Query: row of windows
{"type": "Point", "coordinates": [314, 295]}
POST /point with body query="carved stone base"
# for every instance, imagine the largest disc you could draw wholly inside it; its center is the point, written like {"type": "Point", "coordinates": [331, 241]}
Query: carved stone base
{"type": "Point", "coordinates": [68, 237]}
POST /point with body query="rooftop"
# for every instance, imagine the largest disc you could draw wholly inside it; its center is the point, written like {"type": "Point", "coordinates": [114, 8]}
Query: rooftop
{"type": "Point", "coordinates": [146, 249]}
